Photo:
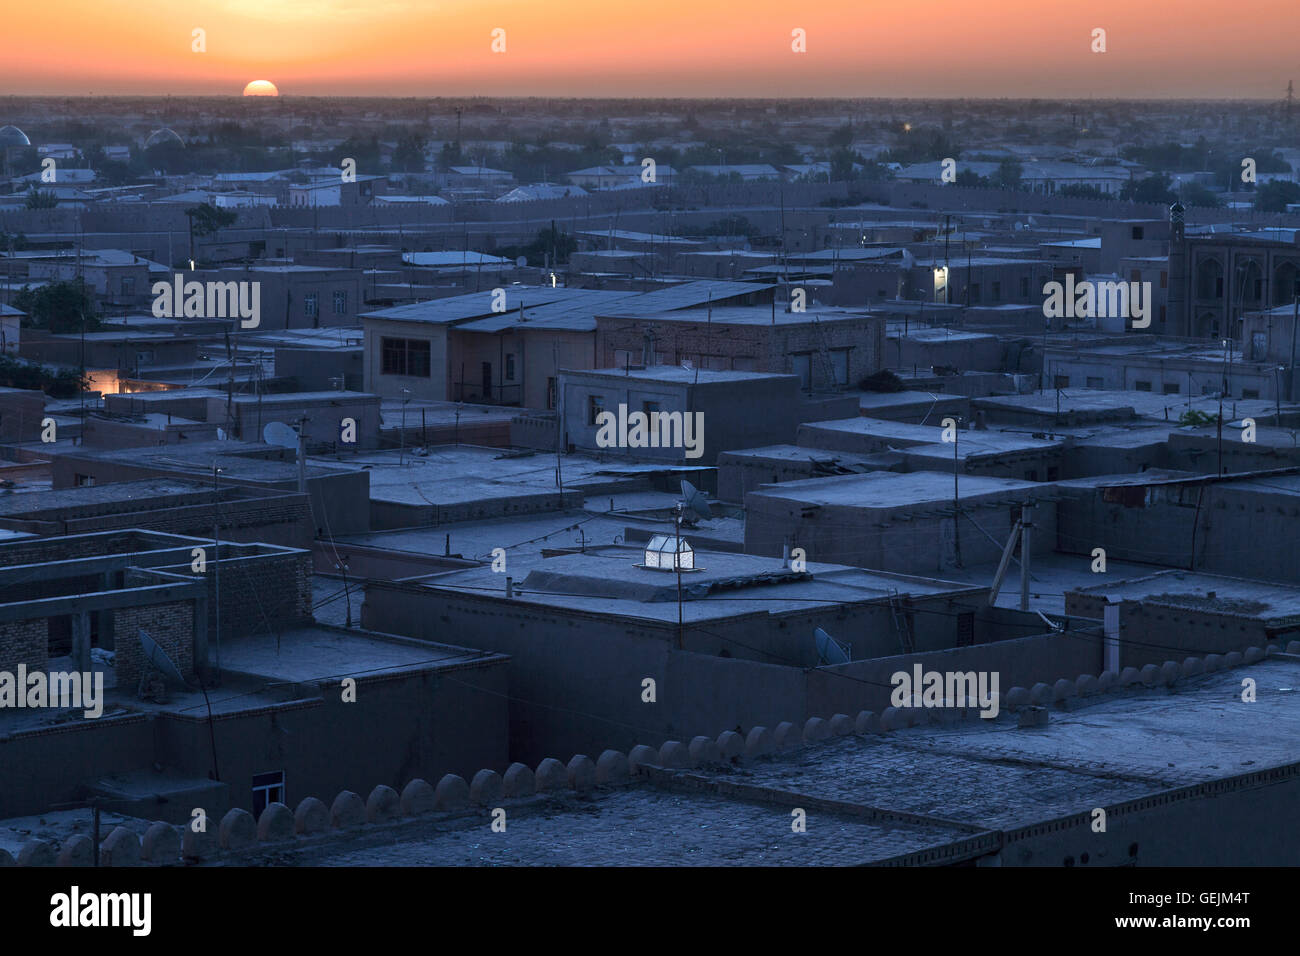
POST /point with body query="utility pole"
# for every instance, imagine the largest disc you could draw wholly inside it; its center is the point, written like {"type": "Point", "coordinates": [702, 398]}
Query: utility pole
{"type": "Point", "coordinates": [1026, 523]}
{"type": "Point", "coordinates": [677, 566]}
{"type": "Point", "coordinates": [302, 454]}
{"type": "Point", "coordinates": [216, 568]}
{"type": "Point", "coordinates": [956, 497]}
{"type": "Point", "coordinates": [401, 455]}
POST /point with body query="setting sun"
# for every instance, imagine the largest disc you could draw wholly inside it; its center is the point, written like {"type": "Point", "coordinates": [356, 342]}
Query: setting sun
{"type": "Point", "coordinates": [261, 88]}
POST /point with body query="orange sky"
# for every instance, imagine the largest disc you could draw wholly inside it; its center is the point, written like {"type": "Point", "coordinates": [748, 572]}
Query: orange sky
{"type": "Point", "coordinates": [930, 48]}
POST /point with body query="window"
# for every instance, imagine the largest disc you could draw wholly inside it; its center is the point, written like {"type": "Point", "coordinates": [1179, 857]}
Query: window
{"type": "Point", "coordinates": [1061, 381]}
{"type": "Point", "coordinates": [128, 285]}
{"type": "Point", "coordinates": [83, 481]}
{"type": "Point", "coordinates": [268, 788]}
{"type": "Point", "coordinates": [1138, 232]}
{"type": "Point", "coordinates": [340, 303]}
{"type": "Point", "coordinates": [1171, 388]}
{"type": "Point", "coordinates": [404, 357]}
{"type": "Point", "coordinates": [1095, 382]}
{"type": "Point", "coordinates": [550, 391]}
{"type": "Point", "coordinates": [309, 306]}
{"type": "Point", "coordinates": [510, 367]}
{"type": "Point", "coordinates": [1031, 474]}
{"type": "Point", "coordinates": [801, 365]}
{"type": "Point", "coordinates": [144, 357]}
{"type": "Point", "coordinates": [997, 291]}
{"type": "Point", "coordinates": [974, 292]}
{"type": "Point", "coordinates": [651, 408]}
{"type": "Point", "coordinates": [1053, 473]}
{"type": "Point", "coordinates": [1142, 386]}
{"type": "Point", "coordinates": [1164, 280]}
{"type": "Point", "coordinates": [1250, 393]}
{"type": "Point", "coordinates": [595, 405]}
{"type": "Point", "coordinates": [1024, 288]}
{"type": "Point", "coordinates": [1135, 275]}
{"type": "Point", "coordinates": [840, 362]}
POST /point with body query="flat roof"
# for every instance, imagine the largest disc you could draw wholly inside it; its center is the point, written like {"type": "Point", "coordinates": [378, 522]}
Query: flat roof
{"type": "Point", "coordinates": [1143, 404]}
{"type": "Point", "coordinates": [1261, 600]}
{"type": "Point", "coordinates": [608, 580]}
{"type": "Point", "coordinates": [749, 315]}
{"type": "Point", "coordinates": [672, 373]}
{"type": "Point", "coordinates": [962, 788]}
{"type": "Point", "coordinates": [887, 491]}
{"type": "Point", "coordinates": [448, 474]}
{"type": "Point", "coordinates": [309, 654]}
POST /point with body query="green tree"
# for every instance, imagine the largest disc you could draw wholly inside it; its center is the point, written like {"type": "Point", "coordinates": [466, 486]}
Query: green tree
{"type": "Point", "coordinates": [840, 138]}
{"type": "Point", "coordinates": [58, 307]}
{"type": "Point", "coordinates": [408, 157]}
{"type": "Point", "coordinates": [207, 219]}
{"type": "Point", "coordinates": [1274, 196]}
{"type": "Point", "coordinates": [1194, 194]}
{"type": "Point", "coordinates": [1152, 189]}
{"type": "Point", "coordinates": [1081, 191]}
{"type": "Point", "coordinates": [65, 383]}
{"type": "Point", "coordinates": [41, 199]}
{"type": "Point", "coordinates": [1008, 174]}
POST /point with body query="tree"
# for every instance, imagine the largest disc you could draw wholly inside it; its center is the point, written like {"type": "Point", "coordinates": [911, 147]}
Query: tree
{"type": "Point", "coordinates": [840, 138]}
{"type": "Point", "coordinates": [41, 199]}
{"type": "Point", "coordinates": [1274, 196]}
{"type": "Point", "coordinates": [65, 383]}
{"type": "Point", "coordinates": [206, 219]}
{"type": "Point", "coordinates": [1081, 191]}
{"type": "Point", "coordinates": [58, 307]}
{"type": "Point", "coordinates": [1152, 189]}
{"type": "Point", "coordinates": [1008, 174]}
{"type": "Point", "coordinates": [408, 156]}
{"type": "Point", "coordinates": [1194, 194]}
{"type": "Point", "coordinates": [842, 161]}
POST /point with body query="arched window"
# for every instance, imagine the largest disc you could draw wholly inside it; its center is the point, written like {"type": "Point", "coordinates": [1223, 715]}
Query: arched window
{"type": "Point", "coordinates": [1286, 283]}
{"type": "Point", "coordinates": [1209, 279]}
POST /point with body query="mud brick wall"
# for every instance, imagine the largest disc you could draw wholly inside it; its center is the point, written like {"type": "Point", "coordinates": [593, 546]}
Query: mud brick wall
{"type": "Point", "coordinates": [171, 626]}
{"type": "Point", "coordinates": [24, 642]}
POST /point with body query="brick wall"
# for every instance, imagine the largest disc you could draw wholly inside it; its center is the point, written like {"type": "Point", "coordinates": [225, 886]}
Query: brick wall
{"type": "Point", "coordinates": [24, 642]}
{"type": "Point", "coordinates": [170, 625]}
{"type": "Point", "coordinates": [262, 594]}
{"type": "Point", "coordinates": [756, 348]}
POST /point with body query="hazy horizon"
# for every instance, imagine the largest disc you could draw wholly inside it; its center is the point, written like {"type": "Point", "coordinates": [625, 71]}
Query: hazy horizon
{"type": "Point", "coordinates": [929, 49]}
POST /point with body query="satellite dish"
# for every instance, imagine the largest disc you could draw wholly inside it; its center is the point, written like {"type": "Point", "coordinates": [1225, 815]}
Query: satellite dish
{"type": "Point", "coordinates": [521, 261]}
{"type": "Point", "coordinates": [696, 500]}
{"type": "Point", "coordinates": [278, 433]}
{"type": "Point", "coordinates": [156, 656]}
{"type": "Point", "coordinates": [829, 650]}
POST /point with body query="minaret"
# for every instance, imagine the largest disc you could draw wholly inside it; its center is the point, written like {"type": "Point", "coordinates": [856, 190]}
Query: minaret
{"type": "Point", "coordinates": [1179, 316]}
